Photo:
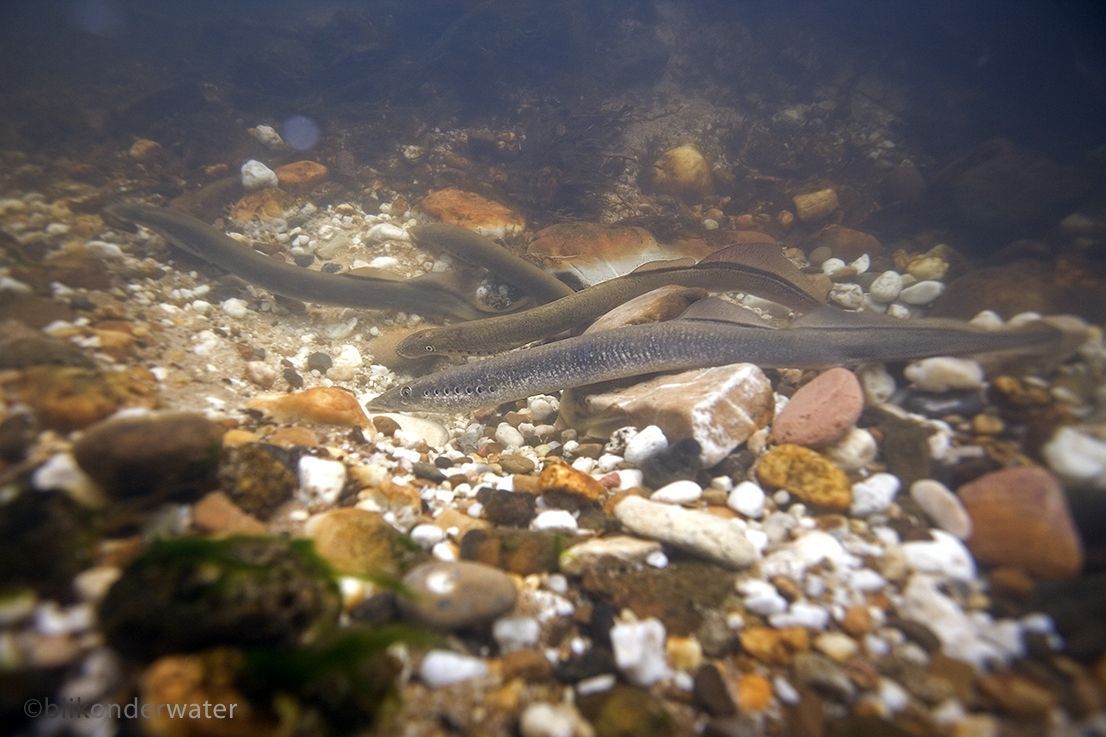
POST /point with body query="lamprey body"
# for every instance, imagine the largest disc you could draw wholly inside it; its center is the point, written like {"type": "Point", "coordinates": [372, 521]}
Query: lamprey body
{"type": "Point", "coordinates": [686, 344]}
{"type": "Point", "coordinates": [766, 275]}
{"type": "Point", "coordinates": [478, 250]}
{"type": "Point", "coordinates": [192, 235]}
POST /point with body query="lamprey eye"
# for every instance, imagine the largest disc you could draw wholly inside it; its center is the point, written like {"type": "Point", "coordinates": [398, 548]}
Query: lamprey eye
{"type": "Point", "coordinates": [429, 349]}
{"type": "Point", "coordinates": [405, 392]}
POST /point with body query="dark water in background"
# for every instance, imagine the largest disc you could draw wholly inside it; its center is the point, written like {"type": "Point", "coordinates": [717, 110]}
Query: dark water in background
{"type": "Point", "coordinates": [1031, 70]}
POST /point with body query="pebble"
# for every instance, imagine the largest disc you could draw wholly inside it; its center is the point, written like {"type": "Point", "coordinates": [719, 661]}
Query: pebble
{"type": "Point", "coordinates": [874, 494]}
{"type": "Point", "coordinates": [554, 519]}
{"type": "Point", "coordinates": [508, 436]}
{"type": "Point", "coordinates": [639, 651]}
{"type": "Point", "coordinates": [849, 296]}
{"type": "Point", "coordinates": [886, 287]}
{"type": "Point", "coordinates": [697, 532]}
{"type": "Point", "coordinates": [260, 374]}
{"type": "Point", "coordinates": [152, 455]}
{"type": "Point", "coordinates": [516, 633]}
{"type": "Point", "coordinates": [445, 668]}
{"type": "Point", "coordinates": [386, 232]}
{"type": "Point", "coordinates": [942, 373]}
{"type": "Point", "coordinates": [944, 555]}
{"type": "Point", "coordinates": [541, 407]}
{"type": "Point", "coordinates": [61, 472]}
{"type": "Point", "coordinates": [810, 476]}
{"type": "Point", "coordinates": [321, 481]}
{"type": "Point", "coordinates": [358, 542]}
{"type": "Point", "coordinates": [928, 267]}
{"type": "Point", "coordinates": [256, 175]}
{"type": "Point", "coordinates": [543, 719]}
{"type": "Point", "coordinates": [822, 411]}
{"type": "Point", "coordinates": [801, 614]}
{"type": "Point", "coordinates": [567, 483]}
{"type": "Point", "coordinates": [761, 597]}
{"type": "Point", "coordinates": [1077, 457]}
{"type": "Point", "coordinates": [817, 546]}
{"type": "Point", "coordinates": [322, 405]}
{"type": "Point", "coordinates": [452, 595]}
{"type": "Point", "coordinates": [836, 645]}
{"type": "Point", "coordinates": [747, 499]}
{"type": "Point", "coordinates": [426, 535]}
{"type": "Point", "coordinates": [823, 675]}
{"type": "Point", "coordinates": [1020, 518]}
{"type": "Point", "coordinates": [921, 293]}
{"type": "Point", "coordinates": [942, 506]}
{"type": "Point", "coordinates": [854, 451]}
{"type": "Point", "coordinates": [678, 492]}
{"type": "Point", "coordinates": [649, 441]}
{"type": "Point", "coordinates": [878, 383]}
{"type": "Point", "coordinates": [622, 549]}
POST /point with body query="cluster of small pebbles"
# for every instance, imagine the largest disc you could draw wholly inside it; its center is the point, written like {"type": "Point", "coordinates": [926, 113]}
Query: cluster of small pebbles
{"type": "Point", "coordinates": [860, 546]}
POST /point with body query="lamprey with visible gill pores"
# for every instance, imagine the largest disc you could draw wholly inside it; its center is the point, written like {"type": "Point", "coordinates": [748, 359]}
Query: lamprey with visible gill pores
{"type": "Point", "coordinates": [685, 344]}
{"type": "Point", "coordinates": [425, 297]}
{"type": "Point", "coordinates": [757, 269]}
{"type": "Point", "coordinates": [478, 250]}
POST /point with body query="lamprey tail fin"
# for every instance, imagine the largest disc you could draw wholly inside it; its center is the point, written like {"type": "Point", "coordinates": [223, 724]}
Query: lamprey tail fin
{"type": "Point", "coordinates": [769, 258]}
{"type": "Point", "coordinates": [714, 309]}
{"type": "Point", "coordinates": [662, 264]}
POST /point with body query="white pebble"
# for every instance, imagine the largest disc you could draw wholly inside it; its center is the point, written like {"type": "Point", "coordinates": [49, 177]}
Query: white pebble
{"type": "Point", "coordinates": [551, 720]}
{"type": "Point", "coordinates": [832, 265]}
{"type": "Point", "coordinates": [861, 264]}
{"type": "Point", "coordinates": [235, 307]}
{"type": "Point", "coordinates": [836, 645]}
{"type": "Point", "coordinates": [256, 175]}
{"type": "Point", "coordinates": [515, 633]}
{"type": "Point", "coordinates": [648, 442]}
{"type": "Point", "coordinates": [698, 532]}
{"type": "Point", "coordinates": [386, 232]}
{"type": "Point", "coordinates": [921, 293]}
{"type": "Point", "coordinates": [267, 136]}
{"type": "Point", "coordinates": [1077, 457]}
{"type": "Point", "coordinates": [628, 478]}
{"type": "Point", "coordinates": [944, 555]}
{"type": "Point", "coordinates": [426, 535]}
{"type": "Point", "coordinates": [554, 519]}
{"type": "Point", "coordinates": [321, 480]}
{"type": "Point", "coordinates": [346, 363]}
{"type": "Point", "coordinates": [877, 382]}
{"type": "Point", "coordinates": [899, 311]}
{"type": "Point", "coordinates": [816, 546]}
{"type": "Point", "coordinates": [541, 408]}
{"type": "Point", "coordinates": [747, 499]}
{"type": "Point", "coordinates": [893, 696]}
{"type": "Point", "coordinates": [987, 319]}
{"type": "Point", "coordinates": [874, 494]}
{"type": "Point", "coordinates": [639, 651]}
{"type": "Point", "coordinates": [61, 471]}
{"type": "Point", "coordinates": [849, 296]}
{"type": "Point", "coordinates": [684, 491]}
{"type": "Point", "coordinates": [384, 262]}
{"type": "Point", "coordinates": [886, 287]}
{"type": "Point", "coordinates": [444, 668]}
{"type": "Point", "coordinates": [761, 597]}
{"type": "Point", "coordinates": [942, 506]}
{"type": "Point", "coordinates": [854, 451]}
{"type": "Point", "coordinates": [945, 373]}
{"type": "Point", "coordinates": [508, 436]}
{"type": "Point", "coordinates": [801, 614]}
{"type": "Point", "coordinates": [260, 373]}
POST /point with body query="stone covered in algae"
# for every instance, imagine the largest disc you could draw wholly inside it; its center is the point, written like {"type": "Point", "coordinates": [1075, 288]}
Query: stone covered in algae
{"type": "Point", "coordinates": [190, 594]}
{"type": "Point", "coordinates": [810, 476]}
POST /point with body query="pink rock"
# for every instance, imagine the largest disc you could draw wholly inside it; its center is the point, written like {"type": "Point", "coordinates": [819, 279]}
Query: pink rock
{"type": "Point", "coordinates": [1020, 518]}
{"type": "Point", "coordinates": [822, 411]}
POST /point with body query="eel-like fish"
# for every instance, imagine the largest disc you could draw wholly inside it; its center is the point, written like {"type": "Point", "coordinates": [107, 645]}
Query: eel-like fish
{"type": "Point", "coordinates": [823, 340]}
{"type": "Point", "coordinates": [477, 250]}
{"type": "Point", "coordinates": [423, 295]}
{"type": "Point", "coordinates": [756, 269]}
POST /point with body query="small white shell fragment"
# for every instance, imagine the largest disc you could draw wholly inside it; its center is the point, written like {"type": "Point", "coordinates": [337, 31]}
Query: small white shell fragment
{"type": "Point", "coordinates": [386, 232]}
{"type": "Point", "coordinates": [639, 651]}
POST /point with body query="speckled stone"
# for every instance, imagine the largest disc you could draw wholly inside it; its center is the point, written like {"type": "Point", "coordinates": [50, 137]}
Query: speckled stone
{"type": "Point", "coordinates": [810, 476]}
{"type": "Point", "coordinates": [1020, 518]}
{"type": "Point", "coordinates": [322, 405]}
{"type": "Point", "coordinates": [563, 480]}
{"type": "Point", "coordinates": [456, 594]}
{"type": "Point", "coordinates": [822, 411]}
